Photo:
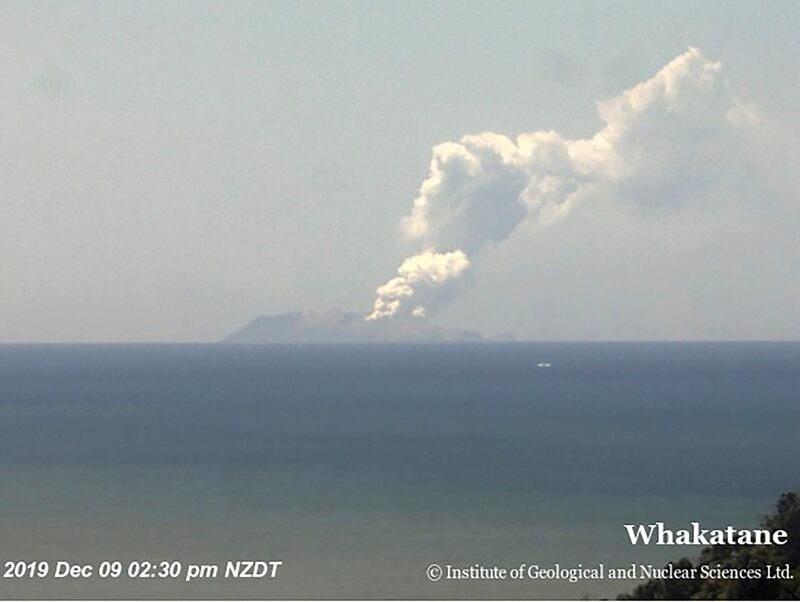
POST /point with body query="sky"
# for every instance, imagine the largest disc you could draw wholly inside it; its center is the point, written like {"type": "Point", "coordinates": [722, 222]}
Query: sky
{"type": "Point", "coordinates": [169, 171]}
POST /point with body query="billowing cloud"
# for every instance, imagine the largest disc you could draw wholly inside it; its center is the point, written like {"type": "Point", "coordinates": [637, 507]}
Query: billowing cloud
{"type": "Point", "coordinates": [428, 271]}
{"type": "Point", "coordinates": [661, 142]}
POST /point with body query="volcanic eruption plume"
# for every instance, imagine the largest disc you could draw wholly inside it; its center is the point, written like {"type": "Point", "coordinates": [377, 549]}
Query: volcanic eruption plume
{"type": "Point", "coordinates": [480, 189]}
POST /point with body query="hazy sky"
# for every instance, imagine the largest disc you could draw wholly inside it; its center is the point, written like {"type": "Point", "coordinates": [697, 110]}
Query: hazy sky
{"type": "Point", "coordinates": [171, 170]}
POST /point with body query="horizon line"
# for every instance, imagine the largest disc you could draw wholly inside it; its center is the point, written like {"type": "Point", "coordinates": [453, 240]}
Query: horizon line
{"type": "Point", "coordinates": [409, 342]}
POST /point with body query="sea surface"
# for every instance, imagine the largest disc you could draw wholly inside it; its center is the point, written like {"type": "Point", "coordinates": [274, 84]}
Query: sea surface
{"type": "Point", "coordinates": [360, 465]}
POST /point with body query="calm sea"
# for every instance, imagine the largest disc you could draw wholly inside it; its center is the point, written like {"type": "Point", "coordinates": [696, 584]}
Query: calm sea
{"type": "Point", "coordinates": [358, 466]}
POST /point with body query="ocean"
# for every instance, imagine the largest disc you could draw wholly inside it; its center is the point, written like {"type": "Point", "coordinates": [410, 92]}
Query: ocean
{"type": "Point", "coordinates": [358, 466]}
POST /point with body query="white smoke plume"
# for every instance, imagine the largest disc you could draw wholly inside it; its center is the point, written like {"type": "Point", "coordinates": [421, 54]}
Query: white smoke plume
{"type": "Point", "coordinates": [426, 272]}
{"type": "Point", "coordinates": [662, 140]}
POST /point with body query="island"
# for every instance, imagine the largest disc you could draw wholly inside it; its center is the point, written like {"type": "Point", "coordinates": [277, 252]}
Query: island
{"type": "Point", "coordinates": [348, 327]}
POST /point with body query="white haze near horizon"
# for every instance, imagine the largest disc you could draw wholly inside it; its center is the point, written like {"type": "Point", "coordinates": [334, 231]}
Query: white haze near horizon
{"type": "Point", "coordinates": [171, 171]}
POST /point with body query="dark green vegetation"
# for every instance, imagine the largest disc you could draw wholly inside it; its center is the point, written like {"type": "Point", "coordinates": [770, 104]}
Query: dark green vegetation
{"type": "Point", "coordinates": [787, 517]}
